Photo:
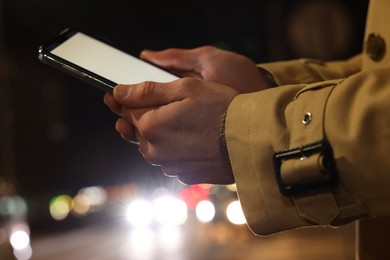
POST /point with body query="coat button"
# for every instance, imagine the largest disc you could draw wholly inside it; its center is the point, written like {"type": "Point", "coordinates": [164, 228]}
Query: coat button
{"type": "Point", "coordinates": [375, 47]}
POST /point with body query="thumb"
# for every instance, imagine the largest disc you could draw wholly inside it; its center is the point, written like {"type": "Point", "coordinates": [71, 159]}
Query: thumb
{"type": "Point", "coordinates": [147, 94]}
{"type": "Point", "coordinates": [173, 59]}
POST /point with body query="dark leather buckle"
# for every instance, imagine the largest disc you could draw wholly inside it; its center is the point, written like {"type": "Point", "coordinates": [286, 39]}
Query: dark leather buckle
{"type": "Point", "coordinates": [326, 180]}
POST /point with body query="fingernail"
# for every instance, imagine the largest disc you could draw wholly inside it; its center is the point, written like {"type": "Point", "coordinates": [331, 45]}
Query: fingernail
{"type": "Point", "coordinates": [146, 52]}
{"type": "Point", "coordinates": [121, 91]}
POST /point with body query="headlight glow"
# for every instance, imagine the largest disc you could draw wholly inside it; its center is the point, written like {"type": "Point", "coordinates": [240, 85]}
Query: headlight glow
{"type": "Point", "coordinates": [205, 211]}
{"type": "Point", "coordinates": [235, 214]}
{"type": "Point", "coordinates": [140, 213]}
{"type": "Point", "coordinates": [171, 211]}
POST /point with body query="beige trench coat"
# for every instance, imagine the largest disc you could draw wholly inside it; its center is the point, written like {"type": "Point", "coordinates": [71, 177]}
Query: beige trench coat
{"type": "Point", "coordinates": [278, 139]}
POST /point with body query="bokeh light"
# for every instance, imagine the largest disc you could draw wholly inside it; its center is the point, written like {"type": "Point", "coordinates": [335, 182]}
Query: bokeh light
{"type": "Point", "coordinates": [139, 213]}
{"type": "Point", "coordinates": [96, 196]}
{"type": "Point", "coordinates": [19, 239]}
{"type": "Point", "coordinates": [194, 194]}
{"type": "Point", "coordinates": [205, 211]}
{"type": "Point", "coordinates": [81, 205]}
{"type": "Point", "coordinates": [171, 211]}
{"type": "Point", "coordinates": [60, 207]}
{"type": "Point", "coordinates": [7, 206]}
{"type": "Point", "coordinates": [23, 254]}
{"type": "Point", "coordinates": [88, 200]}
{"type": "Point", "coordinates": [13, 205]}
{"type": "Point", "coordinates": [235, 214]}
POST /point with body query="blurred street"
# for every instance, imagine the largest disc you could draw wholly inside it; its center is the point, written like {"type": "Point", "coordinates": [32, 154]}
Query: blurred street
{"type": "Point", "coordinates": [198, 222]}
{"type": "Point", "coordinates": [194, 242]}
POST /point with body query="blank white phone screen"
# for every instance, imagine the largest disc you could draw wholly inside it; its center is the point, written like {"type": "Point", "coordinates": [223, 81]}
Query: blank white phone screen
{"type": "Point", "coordinates": [109, 62]}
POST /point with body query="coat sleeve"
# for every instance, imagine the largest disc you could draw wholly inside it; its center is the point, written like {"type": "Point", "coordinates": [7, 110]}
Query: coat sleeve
{"type": "Point", "coordinates": [351, 116]}
{"type": "Point", "coordinates": [310, 70]}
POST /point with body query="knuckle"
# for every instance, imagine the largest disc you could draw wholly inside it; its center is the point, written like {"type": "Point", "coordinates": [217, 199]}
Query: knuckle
{"type": "Point", "coordinates": [145, 90]}
{"type": "Point", "coordinates": [188, 86]}
{"type": "Point", "coordinates": [168, 171]}
{"type": "Point", "coordinates": [188, 180]}
{"type": "Point", "coordinates": [152, 157]}
{"type": "Point", "coordinates": [148, 133]}
{"type": "Point", "coordinates": [148, 129]}
{"type": "Point", "coordinates": [188, 81]}
{"type": "Point", "coordinates": [207, 49]}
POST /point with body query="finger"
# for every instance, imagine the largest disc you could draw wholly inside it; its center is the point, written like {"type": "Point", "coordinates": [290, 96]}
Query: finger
{"type": "Point", "coordinates": [112, 104]}
{"type": "Point", "coordinates": [173, 59]}
{"type": "Point", "coordinates": [126, 130]}
{"type": "Point", "coordinates": [148, 94]}
{"type": "Point", "coordinates": [192, 172]}
{"type": "Point", "coordinates": [188, 179]}
{"type": "Point", "coordinates": [196, 179]}
{"type": "Point", "coordinates": [191, 74]}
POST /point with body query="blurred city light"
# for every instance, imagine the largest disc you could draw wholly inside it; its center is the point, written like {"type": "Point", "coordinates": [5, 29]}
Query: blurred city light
{"type": "Point", "coordinates": [194, 194]}
{"type": "Point", "coordinates": [60, 207]}
{"type": "Point", "coordinates": [205, 211]}
{"type": "Point", "coordinates": [23, 254]}
{"type": "Point", "coordinates": [96, 196]}
{"type": "Point", "coordinates": [161, 192]}
{"type": "Point", "coordinates": [81, 205]}
{"type": "Point", "coordinates": [139, 213]}
{"type": "Point", "coordinates": [7, 206]}
{"type": "Point", "coordinates": [235, 214]}
{"type": "Point", "coordinates": [12, 205]}
{"type": "Point", "coordinates": [89, 199]}
{"type": "Point", "coordinates": [19, 239]}
{"type": "Point", "coordinates": [171, 211]}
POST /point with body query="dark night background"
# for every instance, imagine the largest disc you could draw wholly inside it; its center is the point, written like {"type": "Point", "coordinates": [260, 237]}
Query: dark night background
{"type": "Point", "coordinates": [57, 135]}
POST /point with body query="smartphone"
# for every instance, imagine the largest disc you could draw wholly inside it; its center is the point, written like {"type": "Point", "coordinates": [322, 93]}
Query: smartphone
{"type": "Point", "coordinates": [97, 62]}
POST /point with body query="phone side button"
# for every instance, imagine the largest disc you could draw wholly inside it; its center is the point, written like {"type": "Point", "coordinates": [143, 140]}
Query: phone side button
{"type": "Point", "coordinates": [73, 70]}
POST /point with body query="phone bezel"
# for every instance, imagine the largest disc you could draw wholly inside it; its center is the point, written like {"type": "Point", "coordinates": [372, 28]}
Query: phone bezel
{"type": "Point", "coordinates": [45, 55]}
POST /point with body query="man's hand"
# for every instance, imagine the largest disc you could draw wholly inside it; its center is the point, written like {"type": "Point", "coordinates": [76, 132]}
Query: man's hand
{"type": "Point", "coordinates": [177, 126]}
{"type": "Point", "coordinates": [211, 64]}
